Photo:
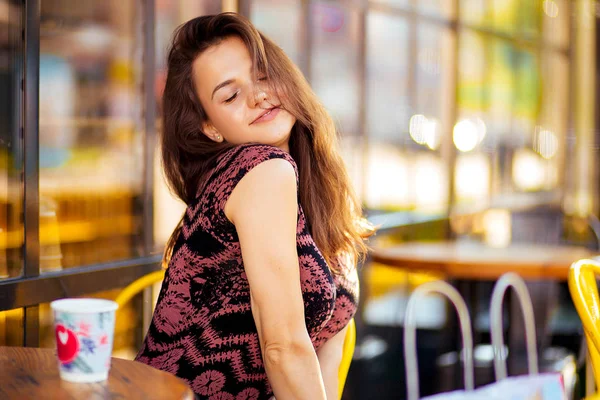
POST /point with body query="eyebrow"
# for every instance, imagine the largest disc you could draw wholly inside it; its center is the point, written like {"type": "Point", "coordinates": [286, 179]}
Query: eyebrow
{"type": "Point", "coordinates": [220, 86]}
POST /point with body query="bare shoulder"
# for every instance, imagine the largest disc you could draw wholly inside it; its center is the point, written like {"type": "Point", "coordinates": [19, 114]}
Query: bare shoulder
{"type": "Point", "coordinates": [275, 173]}
{"type": "Point", "coordinates": [275, 168]}
{"type": "Point", "coordinates": [271, 179]}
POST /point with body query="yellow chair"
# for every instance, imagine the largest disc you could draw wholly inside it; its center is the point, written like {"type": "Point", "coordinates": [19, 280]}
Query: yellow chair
{"type": "Point", "coordinates": [138, 285]}
{"type": "Point", "coordinates": [584, 292]}
{"type": "Point", "coordinates": [157, 276]}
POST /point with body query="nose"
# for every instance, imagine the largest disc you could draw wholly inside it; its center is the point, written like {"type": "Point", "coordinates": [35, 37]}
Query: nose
{"type": "Point", "coordinates": [259, 97]}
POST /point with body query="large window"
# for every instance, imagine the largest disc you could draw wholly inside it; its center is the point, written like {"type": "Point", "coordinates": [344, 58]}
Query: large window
{"type": "Point", "coordinates": [91, 133]}
{"type": "Point", "coordinates": [441, 103]}
{"type": "Point", "coordinates": [84, 206]}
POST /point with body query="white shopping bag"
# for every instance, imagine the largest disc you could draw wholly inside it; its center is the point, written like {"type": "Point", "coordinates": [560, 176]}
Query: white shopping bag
{"type": "Point", "coordinates": [526, 387]}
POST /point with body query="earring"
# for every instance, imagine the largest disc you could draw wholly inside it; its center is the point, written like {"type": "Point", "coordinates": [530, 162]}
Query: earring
{"type": "Point", "coordinates": [218, 137]}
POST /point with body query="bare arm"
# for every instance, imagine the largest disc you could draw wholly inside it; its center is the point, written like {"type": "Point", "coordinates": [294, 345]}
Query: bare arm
{"type": "Point", "coordinates": [330, 357]}
{"type": "Point", "coordinates": [264, 209]}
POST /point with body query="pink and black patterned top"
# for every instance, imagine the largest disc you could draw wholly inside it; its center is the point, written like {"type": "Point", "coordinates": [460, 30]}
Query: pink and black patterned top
{"type": "Point", "coordinates": [202, 329]}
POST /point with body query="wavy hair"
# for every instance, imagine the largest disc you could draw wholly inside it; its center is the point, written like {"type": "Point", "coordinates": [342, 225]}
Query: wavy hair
{"type": "Point", "coordinates": [333, 214]}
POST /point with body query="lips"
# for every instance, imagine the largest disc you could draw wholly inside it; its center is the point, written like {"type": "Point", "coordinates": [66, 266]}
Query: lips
{"type": "Point", "coordinates": [267, 115]}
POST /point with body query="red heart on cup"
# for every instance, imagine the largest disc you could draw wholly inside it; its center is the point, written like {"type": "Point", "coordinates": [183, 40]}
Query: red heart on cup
{"type": "Point", "coordinates": [67, 344]}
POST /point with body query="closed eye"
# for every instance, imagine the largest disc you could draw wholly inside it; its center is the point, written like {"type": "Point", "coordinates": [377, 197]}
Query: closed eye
{"type": "Point", "coordinates": [232, 98]}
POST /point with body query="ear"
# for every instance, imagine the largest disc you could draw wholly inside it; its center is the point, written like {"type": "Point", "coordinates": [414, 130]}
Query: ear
{"type": "Point", "coordinates": [211, 132]}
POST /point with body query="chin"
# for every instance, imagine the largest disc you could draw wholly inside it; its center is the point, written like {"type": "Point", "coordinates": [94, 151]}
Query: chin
{"type": "Point", "coordinates": [281, 140]}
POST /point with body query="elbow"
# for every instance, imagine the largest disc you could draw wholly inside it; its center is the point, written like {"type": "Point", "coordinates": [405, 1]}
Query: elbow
{"type": "Point", "coordinates": [278, 354]}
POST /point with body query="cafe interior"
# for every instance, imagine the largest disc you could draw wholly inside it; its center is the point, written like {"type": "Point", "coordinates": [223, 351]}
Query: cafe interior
{"type": "Point", "coordinates": [468, 128]}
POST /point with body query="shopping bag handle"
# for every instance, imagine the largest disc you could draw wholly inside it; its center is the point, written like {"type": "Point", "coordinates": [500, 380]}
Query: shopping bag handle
{"type": "Point", "coordinates": [513, 280]}
{"type": "Point", "coordinates": [410, 348]}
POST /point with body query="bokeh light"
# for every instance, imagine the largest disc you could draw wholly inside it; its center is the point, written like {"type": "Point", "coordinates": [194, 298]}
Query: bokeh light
{"type": "Point", "coordinates": [468, 133]}
{"type": "Point", "coordinates": [472, 177]}
{"type": "Point", "coordinates": [528, 170]}
{"type": "Point", "coordinates": [551, 8]}
{"type": "Point", "coordinates": [545, 143]}
{"type": "Point", "coordinates": [424, 131]}
{"type": "Point", "coordinates": [497, 227]}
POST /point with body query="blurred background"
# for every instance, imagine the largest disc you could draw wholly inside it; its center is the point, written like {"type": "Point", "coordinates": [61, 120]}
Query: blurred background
{"type": "Point", "coordinates": [469, 128]}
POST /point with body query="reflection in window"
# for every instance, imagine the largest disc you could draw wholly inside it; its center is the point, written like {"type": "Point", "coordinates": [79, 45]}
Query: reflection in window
{"type": "Point", "coordinates": [91, 132]}
{"type": "Point", "coordinates": [11, 158]}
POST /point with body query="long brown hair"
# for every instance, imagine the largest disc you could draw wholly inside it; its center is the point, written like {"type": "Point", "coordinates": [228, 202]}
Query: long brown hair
{"type": "Point", "coordinates": [333, 213]}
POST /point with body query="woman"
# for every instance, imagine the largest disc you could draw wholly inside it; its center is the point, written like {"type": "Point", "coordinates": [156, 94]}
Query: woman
{"type": "Point", "coordinates": [261, 281]}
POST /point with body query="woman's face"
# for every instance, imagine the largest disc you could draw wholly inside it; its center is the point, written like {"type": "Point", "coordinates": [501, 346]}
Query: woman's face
{"type": "Point", "coordinates": [240, 109]}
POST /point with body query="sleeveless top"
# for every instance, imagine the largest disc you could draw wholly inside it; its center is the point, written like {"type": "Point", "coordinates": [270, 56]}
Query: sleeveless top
{"type": "Point", "coordinates": [202, 329]}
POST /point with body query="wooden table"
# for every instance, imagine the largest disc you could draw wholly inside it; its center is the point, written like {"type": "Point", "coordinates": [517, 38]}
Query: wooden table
{"type": "Point", "coordinates": [32, 373]}
{"type": "Point", "coordinates": [475, 261]}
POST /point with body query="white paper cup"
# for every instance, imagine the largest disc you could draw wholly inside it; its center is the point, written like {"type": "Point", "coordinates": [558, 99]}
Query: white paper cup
{"type": "Point", "coordinates": [84, 330]}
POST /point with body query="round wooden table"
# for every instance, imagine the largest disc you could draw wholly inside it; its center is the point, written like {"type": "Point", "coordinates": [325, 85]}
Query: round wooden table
{"type": "Point", "coordinates": [475, 261]}
{"type": "Point", "coordinates": [32, 373]}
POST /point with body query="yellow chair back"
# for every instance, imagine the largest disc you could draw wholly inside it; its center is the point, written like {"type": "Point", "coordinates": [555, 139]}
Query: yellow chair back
{"type": "Point", "coordinates": [584, 292]}
{"type": "Point", "coordinates": [349, 344]}
{"type": "Point", "coordinates": [157, 276]}
{"type": "Point", "coordinates": [138, 285]}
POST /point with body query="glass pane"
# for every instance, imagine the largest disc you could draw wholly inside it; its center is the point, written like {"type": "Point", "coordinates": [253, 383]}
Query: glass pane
{"type": "Point", "coordinates": [388, 103]}
{"type": "Point", "coordinates": [512, 119]}
{"type": "Point", "coordinates": [91, 132]}
{"type": "Point", "coordinates": [505, 14]}
{"type": "Point", "coordinates": [388, 112]}
{"type": "Point", "coordinates": [268, 17]}
{"type": "Point", "coordinates": [475, 12]}
{"type": "Point", "coordinates": [472, 86]}
{"type": "Point", "coordinates": [545, 148]}
{"type": "Point", "coordinates": [471, 133]}
{"type": "Point", "coordinates": [336, 43]}
{"type": "Point", "coordinates": [169, 15]}
{"type": "Point", "coordinates": [11, 157]}
{"type": "Point", "coordinates": [434, 94]}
